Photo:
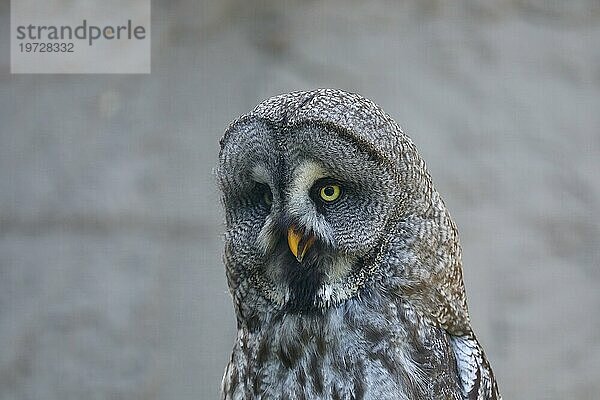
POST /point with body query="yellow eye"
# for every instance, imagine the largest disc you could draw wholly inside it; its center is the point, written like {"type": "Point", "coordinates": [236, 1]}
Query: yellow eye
{"type": "Point", "coordinates": [330, 192]}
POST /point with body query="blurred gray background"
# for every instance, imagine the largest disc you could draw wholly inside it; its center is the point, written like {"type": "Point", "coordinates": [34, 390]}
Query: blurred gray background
{"type": "Point", "coordinates": [111, 282]}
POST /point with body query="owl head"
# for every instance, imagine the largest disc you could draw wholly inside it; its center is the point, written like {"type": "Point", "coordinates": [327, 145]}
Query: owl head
{"type": "Point", "coordinates": [314, 184]}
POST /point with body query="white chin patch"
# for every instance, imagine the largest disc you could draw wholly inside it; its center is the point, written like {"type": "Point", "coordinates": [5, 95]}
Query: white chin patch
{"type": "Point", "coordinates": [335, 289]}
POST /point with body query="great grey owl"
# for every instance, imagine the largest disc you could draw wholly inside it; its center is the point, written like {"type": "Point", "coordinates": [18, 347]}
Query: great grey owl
{"type": "Point", "coordinates": [342, 260]}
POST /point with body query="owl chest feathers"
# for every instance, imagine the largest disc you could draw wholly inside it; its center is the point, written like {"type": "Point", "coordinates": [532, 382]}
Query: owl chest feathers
{"type": "Point", "coordinates": [366, 348]}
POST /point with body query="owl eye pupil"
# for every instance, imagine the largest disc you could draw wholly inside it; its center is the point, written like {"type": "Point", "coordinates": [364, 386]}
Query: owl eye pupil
{"type": "Point", "coordinates": [329, 192]}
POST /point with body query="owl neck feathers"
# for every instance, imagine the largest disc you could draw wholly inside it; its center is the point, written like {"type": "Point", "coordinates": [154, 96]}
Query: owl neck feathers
{"type": "Point", "coordinates": [371, 337]}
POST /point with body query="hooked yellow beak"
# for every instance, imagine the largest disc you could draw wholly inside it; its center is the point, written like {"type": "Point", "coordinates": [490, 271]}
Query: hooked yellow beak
{"type": "Point", "coordinates": [299, 244]}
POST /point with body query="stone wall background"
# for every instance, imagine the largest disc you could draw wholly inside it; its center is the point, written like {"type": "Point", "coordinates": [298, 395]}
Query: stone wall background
{"type": "Point", "coordinates": [111, 283]}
